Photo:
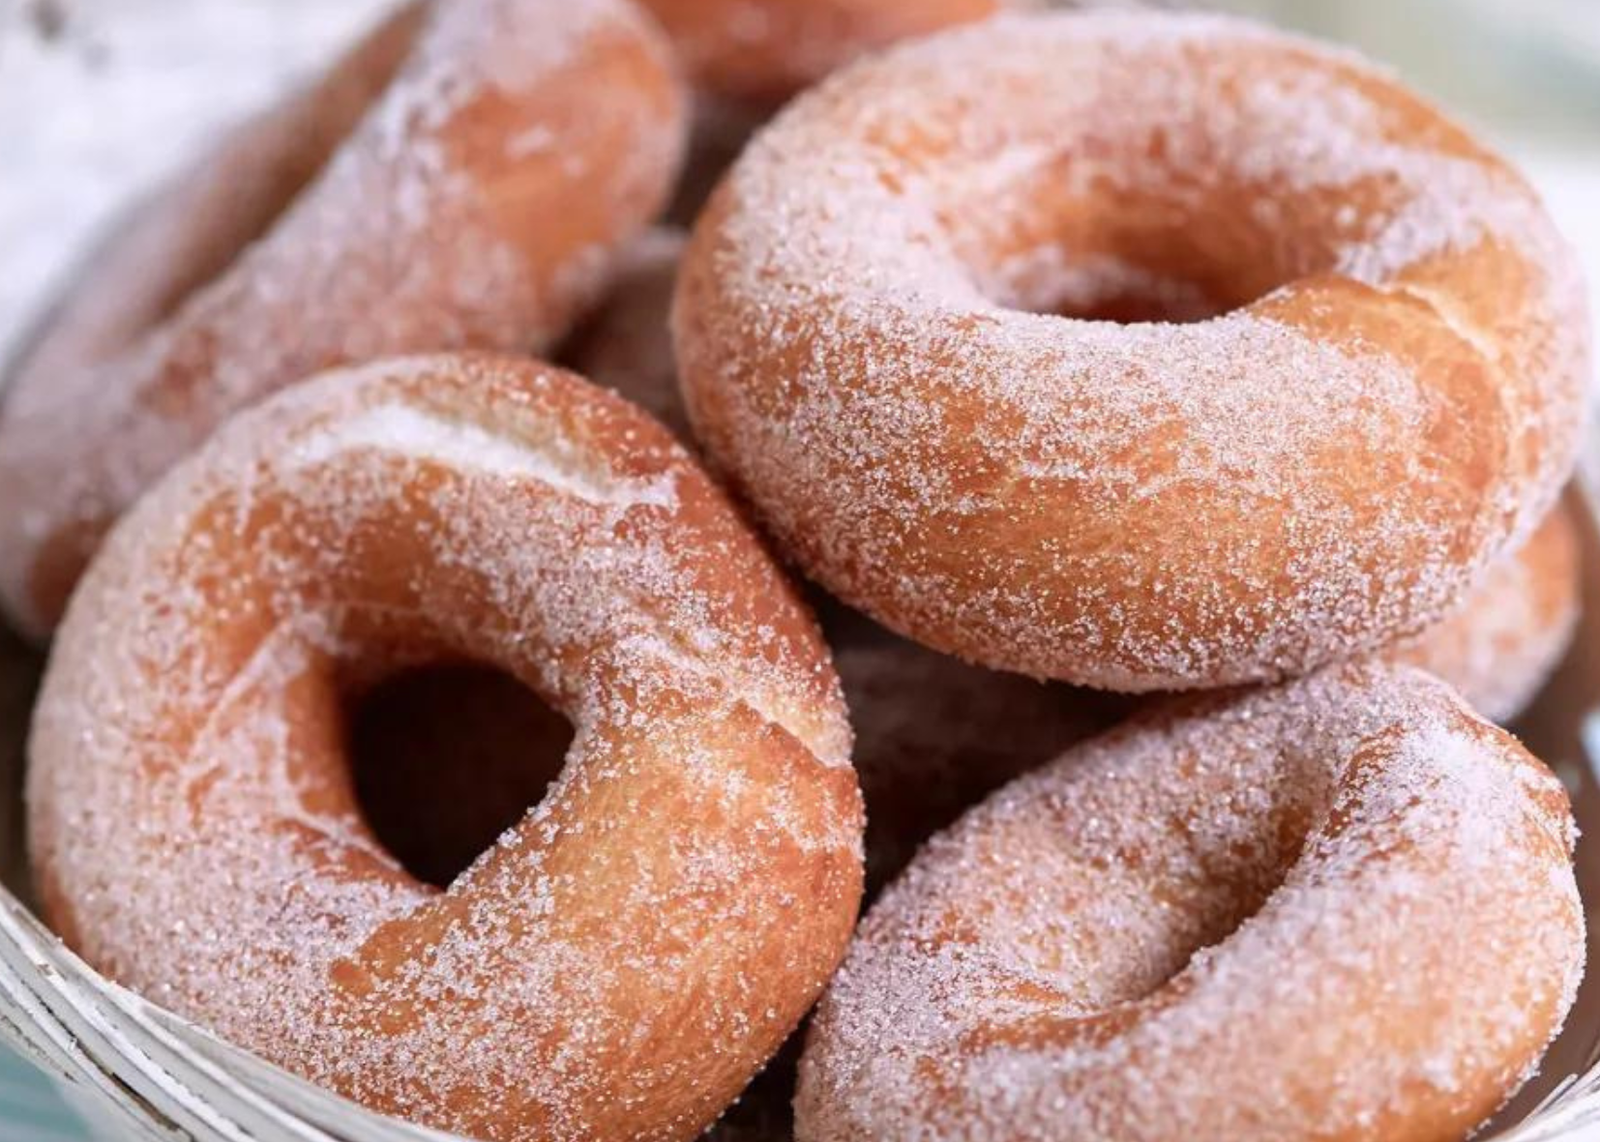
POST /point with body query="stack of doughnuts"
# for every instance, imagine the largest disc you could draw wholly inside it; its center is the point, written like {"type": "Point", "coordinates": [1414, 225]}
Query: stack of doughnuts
{"type": "Point", "coordinates": [1087, 484]}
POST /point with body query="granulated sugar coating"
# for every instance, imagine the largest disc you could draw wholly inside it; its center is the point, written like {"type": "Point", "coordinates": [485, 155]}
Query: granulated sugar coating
{"type": "Point", "coordinates": [403, 204]}
{"type": "Point", "coordinates": [622, 961]}
{"type": "Point", "coordinates": [1340, 909]}
{"type": "Point", "coordinates": [1388, 395]}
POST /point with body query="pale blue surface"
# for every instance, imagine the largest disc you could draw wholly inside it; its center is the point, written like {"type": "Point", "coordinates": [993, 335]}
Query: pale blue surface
{"type": "Point", "coordinates": [30, 1108]}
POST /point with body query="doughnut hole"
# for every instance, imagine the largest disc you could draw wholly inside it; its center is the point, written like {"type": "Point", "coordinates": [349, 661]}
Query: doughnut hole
{"type": "Point", "coordinates": [1074, 260]}
{"type": "Point", "coordinates": [445, 758]}
{"type": "Point", "coordinates": [1185, 879]}
{"type": "Point", "coordinates": [1106, 231]}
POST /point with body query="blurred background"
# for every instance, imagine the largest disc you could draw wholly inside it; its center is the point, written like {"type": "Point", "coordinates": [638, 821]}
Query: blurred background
{"type": "Point", "coordinates": [98, 98]}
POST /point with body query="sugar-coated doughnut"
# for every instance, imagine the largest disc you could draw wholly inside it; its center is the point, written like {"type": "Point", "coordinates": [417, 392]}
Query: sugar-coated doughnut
{"type": "Point", "coordinates": [459, 181]}
{"type": "Point", "coordinates": [619, 964]}
{"type": "Point", "coordinates": [1389, 395]}
{"type": "Point", "coordinates": [1504, 641]}
{"type": "Point", "coordinates": [766, 50]}
{"type": "Point", "coordinates": [1343, 909]}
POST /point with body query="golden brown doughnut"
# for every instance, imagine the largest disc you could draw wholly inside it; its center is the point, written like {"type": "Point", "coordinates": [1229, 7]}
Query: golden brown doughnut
{"type": "Point", "coordinates": [768, 49]}
{"type": "Point", "coordinates": [1500, 646]}
{"type": "Point", "coordinates": [1342, 910]}
{"type": "Point", "coordinates": [1389, 395]}
{"type": "Point", "coordinates": [617, 966]}
{"type": "Point", "coordinates": [459, 180]}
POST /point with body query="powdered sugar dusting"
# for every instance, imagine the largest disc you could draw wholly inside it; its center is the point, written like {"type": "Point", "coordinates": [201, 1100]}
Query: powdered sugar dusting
{"type": "Point", "coordinates": [1150, 505]}
{"type": "Point", "coordinates": [195, 827]}
{"type": "Point", "coordinates": [1346, 905]}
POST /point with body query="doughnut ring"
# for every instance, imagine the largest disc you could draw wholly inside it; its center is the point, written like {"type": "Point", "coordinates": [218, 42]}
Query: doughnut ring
{"type": "Point", "coordinates": [890, 333]}
{"type": "Point", "coordinates": [1341, 909]}
{"type": "Point", "coordinates": [404, 204]}
{"type": "Point", "coordinates": [619, 964]}
{"type": "Point", "coordinates": [766, 50]}
{"type": "Point", "coordinates": [1500, 647]}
